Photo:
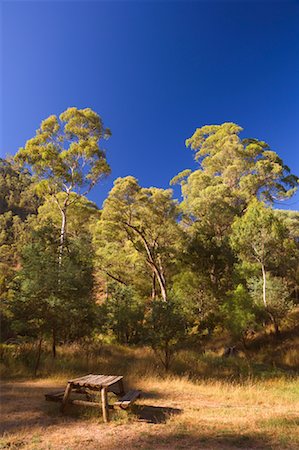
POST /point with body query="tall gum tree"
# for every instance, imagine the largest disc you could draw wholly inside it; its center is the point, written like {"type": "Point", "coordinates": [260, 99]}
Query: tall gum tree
{"type": "Point", "coordinates": [147, 218]}
{"type": "Point", "coordinates": [66, 158]}
{"type": "Point", "coordinates": [235, 170]}
{"type": "Point", "coordinates": [231, 172]}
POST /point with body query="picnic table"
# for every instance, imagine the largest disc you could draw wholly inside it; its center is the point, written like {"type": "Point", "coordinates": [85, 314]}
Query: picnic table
{"type": "Point", "coordinates": [95, 383]}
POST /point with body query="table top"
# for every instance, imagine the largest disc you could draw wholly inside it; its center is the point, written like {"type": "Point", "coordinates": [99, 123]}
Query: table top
{"type": "Point", "coordinates": [96, 381]}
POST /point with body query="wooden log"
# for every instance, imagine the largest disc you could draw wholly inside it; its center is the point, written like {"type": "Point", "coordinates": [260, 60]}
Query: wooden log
{"type": "Point", "coordinates": [55, 396]}
{"type": "Point", "coordinates": [105, 406]}
{"type": "Point", "coordinates": [66, 396]}
{"type": "Point", "coordinates": [85, 403]}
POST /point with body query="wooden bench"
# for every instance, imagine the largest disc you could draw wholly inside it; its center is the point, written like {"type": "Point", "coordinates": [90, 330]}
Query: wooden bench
{"type": "Point", "coordinates": [129, 398]}
{"type": "Point", "coordinates": [54, 396]}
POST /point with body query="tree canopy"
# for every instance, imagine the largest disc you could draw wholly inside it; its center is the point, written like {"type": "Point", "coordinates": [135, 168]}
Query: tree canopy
{"type": "Point", "coordinates": [146, 268]}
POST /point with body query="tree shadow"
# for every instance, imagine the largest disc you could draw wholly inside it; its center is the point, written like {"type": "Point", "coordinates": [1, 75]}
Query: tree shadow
{"type": "Point", "coordinates": [212, 441]}
{"type": "Point", "coordinates": [23, 405]}
{"type": "Point", "coordinates": [154, 414]}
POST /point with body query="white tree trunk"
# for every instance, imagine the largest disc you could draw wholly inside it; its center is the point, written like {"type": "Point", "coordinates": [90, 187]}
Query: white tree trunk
{"type": "Point", "coordinates": [62, 238]}
{"type": "Point", "coordinates": [161, 281]}
{"type": "Point", "coordinates": [264, 286]}
{"type": "Point", "coordinates": [152, 262]}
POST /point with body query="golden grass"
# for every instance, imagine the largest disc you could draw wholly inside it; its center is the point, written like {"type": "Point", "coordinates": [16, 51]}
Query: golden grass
{"type": "Point", "coordinates": [212, 414]}
{"type": "Point", "coordinates": [206, 402]}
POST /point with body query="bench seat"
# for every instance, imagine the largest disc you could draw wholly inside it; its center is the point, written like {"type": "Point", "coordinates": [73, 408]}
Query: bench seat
{"type": "Point", "coordinates": [129, 398]}
{"type": "Point", "coordinates": [54, 396]}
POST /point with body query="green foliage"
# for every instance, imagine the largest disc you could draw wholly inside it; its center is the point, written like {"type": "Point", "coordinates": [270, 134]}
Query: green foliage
{"type": "Point", "coordinates": [68, 270]}
{"type": "Point", "coordinates": [197, 302]}
{"type": "Point", "coordinates": [261, 237]}
{"type": "Point", "coordinates": [17, 194]}
{"type": "Point", "coordinates": [143, 221]}
{"type": "Point", "coordinates": [65, 153]}
{"type": "Point", "coordinates": [279, 301]}
{"type": "Point", "coordinates": [166, 329]}
{"type": "Point", "coordinates": [42, 305]}
{"type": "Point", "coordinates": [258, 236]}
{"type": "Point", "coordinates": [248, 167]}
{"type": "Point", "coordinates": [122, 312]}
{"type": "Point", "coordinates": [238, 312]}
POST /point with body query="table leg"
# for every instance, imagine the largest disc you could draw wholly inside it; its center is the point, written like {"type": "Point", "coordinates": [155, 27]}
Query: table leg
{"type": "Point", "coordinates": [66, 396]}
{"type": "Point", "coordinates": [105, 406]}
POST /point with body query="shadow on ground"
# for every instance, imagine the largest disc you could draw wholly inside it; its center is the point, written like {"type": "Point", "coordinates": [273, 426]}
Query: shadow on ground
{"type": "Point", "coordinates": [204, 441]}
{"type": "Point", "coordinates": [23, 406]}
{"type": "Point", "coordinates": [154, 414]}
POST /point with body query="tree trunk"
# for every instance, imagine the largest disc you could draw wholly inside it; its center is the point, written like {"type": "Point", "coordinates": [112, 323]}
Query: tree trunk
{"type": "Point", "coordinates": [39, 351]}
{"type": "Point", "coordinates": [166, 357]}
{"type": "Point", "coordinates": [54, 343]}
{"type": "Point", "coordinates": [264, 286]}
{"type": "Point", "coordinates": [161, 284]}
{"type": "Point", "coordinates": [275, 324]}
{"type": "Point", "coordinates": [152, 262]}
{"type": "Point", "coordinates": [154, 286]}
{"type": "Point", "coordinates": [62, 238]}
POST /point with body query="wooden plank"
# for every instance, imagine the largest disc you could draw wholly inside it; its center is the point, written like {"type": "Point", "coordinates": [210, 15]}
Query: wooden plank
{"type": "Point", "coordinates": [55, 394]}
{"type": "Point", "coordinates": [84, 381]}
{"type": "Point", "coordinates": [54, 397]}
{"type": "Point", "coordinates": [129, 398]}
{"type": "Point", "coordinates": [75, 380]}
{"type": "Point", "coordinates": [85, 403]}
{"type": "Point", "coordinates": [113, 380]}
{"type": "Point", "coordinates": [96, 380]}
{"type": "Point", "coordinates": [99, 380]}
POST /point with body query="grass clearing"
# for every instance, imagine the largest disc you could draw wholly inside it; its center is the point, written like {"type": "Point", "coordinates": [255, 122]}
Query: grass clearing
{"type": "Point", "coordinates": [215, 406]}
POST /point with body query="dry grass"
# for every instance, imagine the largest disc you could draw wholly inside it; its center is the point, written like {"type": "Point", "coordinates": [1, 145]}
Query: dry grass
{"type": "Point", "coordinates": [207, 403]}
{"type": "Point", "coordinates": [205, 415]}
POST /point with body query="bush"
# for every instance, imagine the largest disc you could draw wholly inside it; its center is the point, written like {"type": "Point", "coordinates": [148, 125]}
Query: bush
{"type": "Point", "coordinates": [238, 311]}
{"type": "Point", "coordinates": [279, 303]}
{"type": "Point", "coordinates": [166, 330]}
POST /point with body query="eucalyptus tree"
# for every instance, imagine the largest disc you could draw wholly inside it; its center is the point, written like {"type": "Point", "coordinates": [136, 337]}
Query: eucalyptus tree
{"type": "Point", "coordinates": [260, 237]}
{"type": "Point", "coordinates": [238, 168]}
{"type": "Point", "coordinates": [65, 157]}
{"type": "Point", "coordinates": [17, 203]}
{"type": "Point", "coordinates": [17, 194]}
{"type": "Point", "coordinates": [231, 172]}
{"type": "Point", "coordinates": [42, 308]}
{"type": "Point", "coordinates": [146, 218]}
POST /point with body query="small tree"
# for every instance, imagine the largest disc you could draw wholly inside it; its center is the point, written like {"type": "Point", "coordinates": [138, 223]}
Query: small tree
{"type": "Point", "coordinates": [167, 330]}
{"type": "Point", "coordinates": [238, 313]}
{"type": "Point", "coordinates": [258, 237]}
{"type": "Point", "coordinates": [279, 302]}
{"type": "Point", "coordinates": [122, 312]}
{"type": "Point", "coordinates": [40, 306]}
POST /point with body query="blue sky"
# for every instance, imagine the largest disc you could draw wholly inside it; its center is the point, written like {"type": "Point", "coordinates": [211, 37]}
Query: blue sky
{"type": "Point", "coordinates": [154, 71]}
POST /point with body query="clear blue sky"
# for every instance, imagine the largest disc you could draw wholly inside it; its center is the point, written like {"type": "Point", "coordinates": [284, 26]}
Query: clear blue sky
{"type": "Point", "coordinates": [154, 71]}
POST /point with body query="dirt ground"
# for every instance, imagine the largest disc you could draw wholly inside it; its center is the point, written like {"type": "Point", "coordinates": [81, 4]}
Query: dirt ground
{"type": "Point", "coordinates": [166, 419]}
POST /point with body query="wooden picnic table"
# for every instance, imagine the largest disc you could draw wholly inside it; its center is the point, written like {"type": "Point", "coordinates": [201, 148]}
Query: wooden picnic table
{"type": "Point", "coordinates": [98, 383]}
